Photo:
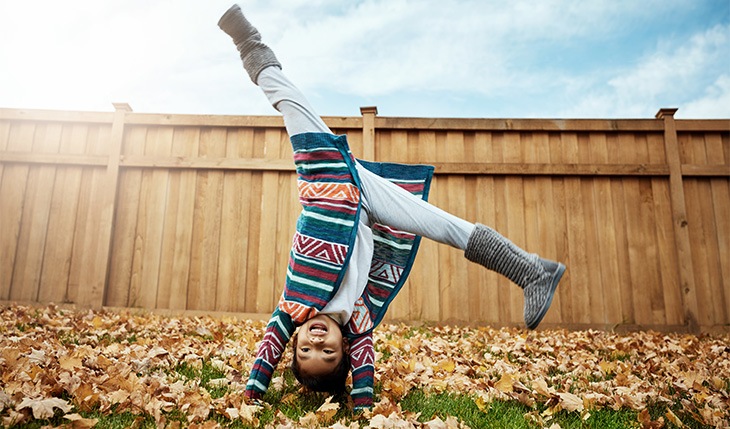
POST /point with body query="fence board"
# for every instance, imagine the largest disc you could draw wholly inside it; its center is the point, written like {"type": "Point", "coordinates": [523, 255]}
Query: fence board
{"type": "Point", "coordinates": [266, 288]}
{"type": "Point", "coordinates": [34, 222]}
{"type": "Point", "coordinates": [232, 268]}
{"type": "Point", "coordinates": [64, 205]}
{"type": "Point", "coordinates": [151, 221]}
{"type": "Point", "coordinates": [12, 196]}
{"type": "Point", "coordinates": [82, 287]}
{"type": "Point", "coordinates": [718, 152]}
{"type": "Point", "coordinates": [669, 290]}
{"type": "Point", "coordinates": [206, 225]}
{"type": "Point", "coordinates": [206, 207]}
{"type": "Point", "coordinates": [125, 231]}
{"type": "Point", "coordinates": [594, 288]}
{"type": "Point", "coordinates": [718, 216]}
{"type": "Point", "coordinates": [181, 253]}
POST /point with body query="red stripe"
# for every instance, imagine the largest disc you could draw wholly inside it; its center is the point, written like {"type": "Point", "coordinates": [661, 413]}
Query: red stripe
{"type": "Point", "coordinates": [260, 368]}
{"type": "Point", "coordinates": [412, 187]}
{"type": "Point", "coordinates": [367, 373]}
{"type": "Point", "coordinates": [349, 210]}
{"type": "Point", "coordinates": [313, 272]}
{"type": "Point", "coordinates": [345, 175]}
{"type": "Point", "coordinates": [252, 394]}
{"type": "Point", "coordinates": [318, 156]}
{"type": "Point", "coordinates": [306, 298]}
{"type": "Point", "coordinates": [363, 402]}
{"type": "Point", "coordinates": [376, 290]}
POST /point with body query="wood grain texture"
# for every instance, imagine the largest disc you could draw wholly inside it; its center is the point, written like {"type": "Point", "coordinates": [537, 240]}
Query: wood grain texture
{"type": "Point", "coordinates": [204, 208]}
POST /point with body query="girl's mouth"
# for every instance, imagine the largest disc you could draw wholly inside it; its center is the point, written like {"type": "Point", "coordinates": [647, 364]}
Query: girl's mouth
{"type": "Point", "coordinates": [319, 329]}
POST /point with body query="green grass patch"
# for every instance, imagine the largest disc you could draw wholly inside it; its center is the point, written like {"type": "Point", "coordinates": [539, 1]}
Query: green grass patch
{"type": "Point", "coordinates": [294, 404]}
{"type": "Point", "coordinates": [204, 375]}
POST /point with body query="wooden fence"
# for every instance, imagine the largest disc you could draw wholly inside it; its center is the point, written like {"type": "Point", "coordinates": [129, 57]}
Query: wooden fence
{"type": "Point", "coordinates": [188, 212]}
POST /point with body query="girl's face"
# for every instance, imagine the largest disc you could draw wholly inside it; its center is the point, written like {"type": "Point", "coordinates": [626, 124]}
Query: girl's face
{"type": "Point", "coordinates": [320, 346]}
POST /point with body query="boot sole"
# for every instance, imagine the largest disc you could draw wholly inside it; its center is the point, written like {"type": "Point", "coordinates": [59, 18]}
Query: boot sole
{"type": "Point", "coordinates": [554, 285]}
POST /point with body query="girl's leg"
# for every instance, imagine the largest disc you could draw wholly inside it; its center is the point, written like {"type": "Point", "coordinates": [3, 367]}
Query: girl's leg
{"type": "Point", "coordinates": [393, 206]}
{"type": "Point", "coordinates": [265, 71]}
{"type": "Point", "coordinates": [299, 116]}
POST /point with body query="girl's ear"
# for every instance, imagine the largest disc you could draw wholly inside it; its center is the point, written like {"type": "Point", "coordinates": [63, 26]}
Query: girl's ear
{"type": "Point", "coordinates": [345, 345]}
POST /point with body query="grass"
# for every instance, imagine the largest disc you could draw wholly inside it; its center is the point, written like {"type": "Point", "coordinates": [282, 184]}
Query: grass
{"type": "Point", "coordinates": [497, 414]}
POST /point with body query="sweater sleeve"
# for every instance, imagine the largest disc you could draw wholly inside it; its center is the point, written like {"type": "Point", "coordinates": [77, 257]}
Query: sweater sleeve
{"type": "Point", "coordinates": [362, 358]}
{"type": "Point", "coordinates": [278, 332]}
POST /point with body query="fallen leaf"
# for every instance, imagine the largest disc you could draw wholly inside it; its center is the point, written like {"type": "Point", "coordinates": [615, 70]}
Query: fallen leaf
{"type": "Point", "coordinates": [646, 421]}
{"type": "Point", "coordinates": [44, 408]}
{"type": "Point", "coordinates": [309, 420]}
{"type": "Point", "coordinates": [447, 365]}
{"type": "Point", "coordinates": [671, 417]}
{"type": "Point", "coordinates": [570, 402]}
{"type": "Point", "coordinates": [542, 388]}
{"type": "Point", "coordinates": [327, 411]}
{"type": "Point", "coordinates": [209, 424]}
{"type": "Point", "coordinates": [386, 407]}
{"type": "Point", "coordinates": [79, 422]}
{"type": "Point", "coordinates": [5, 401]}
{"type": "Point", "coordinates": [436, 423]}
{"type": "Point", "coordinates": [70, 363]}
{"type": "Point", "coordinates": [505, 383]}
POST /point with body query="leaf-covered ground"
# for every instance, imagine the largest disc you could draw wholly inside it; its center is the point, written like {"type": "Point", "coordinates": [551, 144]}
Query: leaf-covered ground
{"type": "Point", "coordinates": [63, 367]}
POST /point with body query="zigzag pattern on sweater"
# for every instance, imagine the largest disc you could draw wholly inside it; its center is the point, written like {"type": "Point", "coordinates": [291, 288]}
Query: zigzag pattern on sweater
{"type": "Point", "coordinates": [320, 250]}
{"type": "Point", "coordinates": [332, 191]}
{"type": "Point", "coordinates": [360, 321]}
{"type": "Point", "coordinates": [299, 313]}
{"type": "Point", "coordinates": [278, 332]}
{"type": "Point", "coordinates": [385, 272]}
{"type": "Point", "coordinates": [362, 361]}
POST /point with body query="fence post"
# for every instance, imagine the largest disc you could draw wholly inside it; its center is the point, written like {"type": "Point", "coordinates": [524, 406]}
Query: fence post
{"type": "Point", "coordinates": [111, 181]}
{"type": "Point", "coordinates": [368, 132]}
{"type": "Point", "coordinates": [679, 217]}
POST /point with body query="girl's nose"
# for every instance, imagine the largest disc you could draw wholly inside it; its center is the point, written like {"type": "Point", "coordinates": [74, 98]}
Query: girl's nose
{"type": "Point", "coordinates": [316, 339]}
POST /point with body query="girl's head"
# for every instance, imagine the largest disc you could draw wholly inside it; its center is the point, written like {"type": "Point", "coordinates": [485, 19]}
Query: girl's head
{"type": "Point", "coordinates": [321, 359]}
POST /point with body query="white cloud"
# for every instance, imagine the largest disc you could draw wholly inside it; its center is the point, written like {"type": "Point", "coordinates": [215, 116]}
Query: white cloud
{"type": "Point", "coordinates": [714, 104]}
{"type": "Point", "coordinates": [669, 77]}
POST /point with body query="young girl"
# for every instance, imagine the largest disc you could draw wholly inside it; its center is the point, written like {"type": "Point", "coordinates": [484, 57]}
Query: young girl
{"type": "Point", "coordinates": [356, 240]}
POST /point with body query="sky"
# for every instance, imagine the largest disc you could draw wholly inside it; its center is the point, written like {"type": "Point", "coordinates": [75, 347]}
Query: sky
{"type": "Point", "coordinates": [410, 58]}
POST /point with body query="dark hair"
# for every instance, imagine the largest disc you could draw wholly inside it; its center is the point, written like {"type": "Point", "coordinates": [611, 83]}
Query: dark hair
{"type": "Point", "coordinates": [334, 382]}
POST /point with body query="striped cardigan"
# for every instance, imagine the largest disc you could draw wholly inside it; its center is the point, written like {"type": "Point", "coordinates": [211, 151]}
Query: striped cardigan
{"type": "Point", "coordinates": [329, 191]}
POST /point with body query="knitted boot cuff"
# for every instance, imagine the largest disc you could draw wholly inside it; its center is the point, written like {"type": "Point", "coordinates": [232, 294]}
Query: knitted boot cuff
{"type": "Point", "coordinates": [490, 249]}
{"type": "Point", "coordinates": [237, 26]}
{"type": "Point", "coordinates": [256, 56]}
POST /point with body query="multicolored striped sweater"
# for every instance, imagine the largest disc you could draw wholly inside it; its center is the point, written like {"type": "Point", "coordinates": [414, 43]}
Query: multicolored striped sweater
{"type": "Point", "coordinates": [329, 191]}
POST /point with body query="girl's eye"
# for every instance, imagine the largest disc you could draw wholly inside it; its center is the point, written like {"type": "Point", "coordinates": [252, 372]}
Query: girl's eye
{"type": "Point", "coordinates": [305, 349]}
{"type": "Point", "coordinates": [329, 352]}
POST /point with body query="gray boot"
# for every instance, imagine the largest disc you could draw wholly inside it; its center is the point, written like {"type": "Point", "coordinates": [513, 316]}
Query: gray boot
{"type": "Point", "coordinates": [256, 55]}
{"type": "Point", "coordinates": [537, 277]}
